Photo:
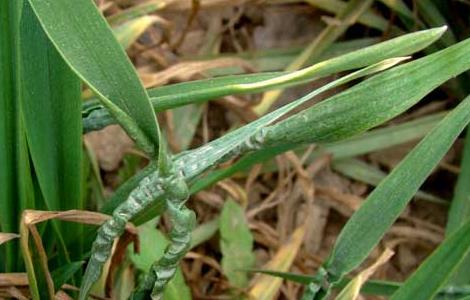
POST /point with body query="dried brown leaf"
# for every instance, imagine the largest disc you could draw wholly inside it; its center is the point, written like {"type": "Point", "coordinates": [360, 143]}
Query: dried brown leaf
{"type": "Point", "coordinates": [6, 237]}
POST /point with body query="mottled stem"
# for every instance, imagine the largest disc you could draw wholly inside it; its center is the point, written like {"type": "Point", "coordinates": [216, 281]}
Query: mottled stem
{"type": "Point", "coordinates": [183, 221]}
{"type": "Point", "coordinates": [149, 189]}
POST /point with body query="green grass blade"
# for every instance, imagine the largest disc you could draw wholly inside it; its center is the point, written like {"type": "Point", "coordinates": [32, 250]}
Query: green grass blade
{"type": "Point", "coordinates": [434, 272]}
{"type": "Point", "coordinates": [383, 206]}
{"type": "Point", "coordinates": [394, 91]}
{"type": "Point", "coordinates": [9, 116]}
{"type": "Point", "coordinates": [251, 137]}
{"type": "Point", "coordinates": [96, 57]}
{"type": "Point", "coordinates": [371, 287]}
{"type": "Point", "coordinates": [17, 191]}
{"type": "Point", "coordinates": [459, 212]}
{"type": "Point", "coordinates": [51, 107]}
{"type": "Point", "coordinates": [378, 139]}
{"type": "Point", "coordinates": [277, 59]}
{"type": "Point", "coordinates": [370, 141]}
{"type": "Point", "coordinates": [199, 91]}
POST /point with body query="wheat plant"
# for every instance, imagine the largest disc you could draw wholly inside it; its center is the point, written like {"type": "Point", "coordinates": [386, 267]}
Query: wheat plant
{"type": "Point", "coordinates": [50, 47]}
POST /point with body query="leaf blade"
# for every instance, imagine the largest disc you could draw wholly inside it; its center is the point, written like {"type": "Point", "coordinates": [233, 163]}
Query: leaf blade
{"type": "Point", "coordinates": [97, 58]}
{"type": "Point", "coordinates": [386, 202]}
{"type": "Point", "coordinates": [203, 90]}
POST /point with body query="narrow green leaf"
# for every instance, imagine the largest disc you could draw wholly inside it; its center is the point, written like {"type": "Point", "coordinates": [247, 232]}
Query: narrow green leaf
{"type": "Point", "coordinates": [95, 116]}
{"type": "Point", "coordinates": [97, 58]}
{"type": "Point", "coordinates": [10, 132]}
{"type": "Point", "coordinates": [374, 140]}
{"type": "Point", "coordinates": [379, 139]}
{"type": "Point", "coordinates": [277, 59]}
{"type": "Point", "coordinates": [342, 116]}
{"type": "Point", "coordinates": [383, 206]}
{"type": "Point", "coordinates": [252, 137]}
{"type": "Point", "coordinates": [433, 273]}
{"type": "Point", "coordinates": [371, 287]}
{"type": "Point", "coordinates": [17, 192]}
{"type": "Point", "coordinates": [459, 212]}
{"type": "Point", "coordinates": [394, 91]}
{"type": "Point", "coordinates": [51, 107]}
{"type": "Point", "coordinates": [236, 244]}
{"type": "Point", "coordinates": [199, 91]}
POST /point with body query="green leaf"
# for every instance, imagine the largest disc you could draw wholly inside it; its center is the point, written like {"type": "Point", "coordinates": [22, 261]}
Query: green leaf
{"type": "Point", "coordinates": [10, 128]}
{"type": "Point", "coordinates": [251, 137]}
{"type": "Point", "coordinates": [236, 244]}
{"type": "Point", "coordinates": [51, 108]}
{"type": "Point", "coordinates": [371, 287]}
{"type": "Point", "coordinates": [358, 109]}
{"type": "Point", "coordinates": [383, 206]}
{"type": "Point", "coordinates": [277, 59]}
{"type": "Point", "coordinates": [459, 212]}
{"type": "Point", "coordinates": [152, 246]}
{"type": "Point", "coordinates": [199, 91]}
{"type": "Point", "coordinates": [368, 142]}
{"type": "Point", "coordinates": [434, 272]}
{"type": "Point", "coordinates": [97, 58]}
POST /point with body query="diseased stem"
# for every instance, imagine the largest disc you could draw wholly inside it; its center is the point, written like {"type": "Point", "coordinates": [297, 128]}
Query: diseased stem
{"type": "Point", "coordinates": [149, 189]}
{"type": "Point", "coordinates": [171, 187]}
